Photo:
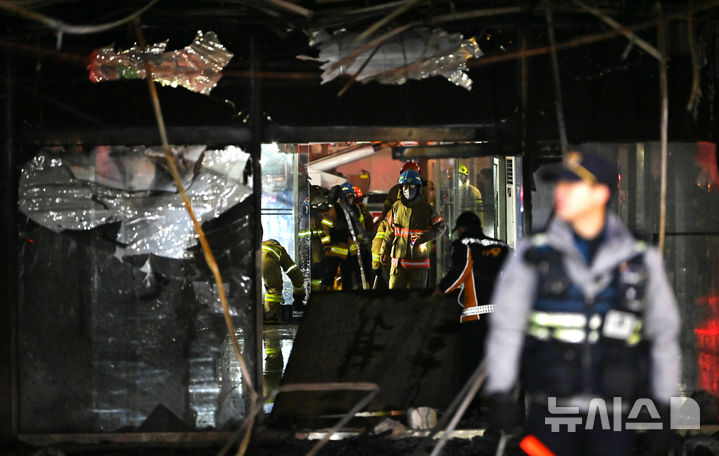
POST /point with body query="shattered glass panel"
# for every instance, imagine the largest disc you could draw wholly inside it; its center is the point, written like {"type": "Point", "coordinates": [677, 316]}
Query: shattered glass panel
{"type": "Point", "coordinates": [141, 338]}
{"type": "Point", "coordinates": [416, 53]}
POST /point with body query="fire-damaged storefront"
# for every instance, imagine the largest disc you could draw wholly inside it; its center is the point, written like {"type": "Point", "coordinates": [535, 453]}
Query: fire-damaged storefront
{"type": "Point", "coordinates": [143, 180]}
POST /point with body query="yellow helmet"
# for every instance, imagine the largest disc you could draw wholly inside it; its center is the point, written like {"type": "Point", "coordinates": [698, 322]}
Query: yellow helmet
{"type": "Point", "coordinates": [463, 170]}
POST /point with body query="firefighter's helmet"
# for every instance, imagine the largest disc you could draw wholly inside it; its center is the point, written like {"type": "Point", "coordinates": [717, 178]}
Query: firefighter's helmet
{"type": "Point", "coordinates": [409, 177]}
{"type": "Point", "coordinates": [348, 189]}
{"type": "Point", "coordinates": [463, 170]}
{"type": "Point", "coordinates": [358, 192]}
{"type": "Point", "coordinates": [409, 165]}
{"type": "Point", "coordinates": [318, 199]}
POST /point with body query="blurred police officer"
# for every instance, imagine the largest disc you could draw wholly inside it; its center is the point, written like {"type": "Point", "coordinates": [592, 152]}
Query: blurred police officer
{"type": "Point", "coordinates": [585, 312]}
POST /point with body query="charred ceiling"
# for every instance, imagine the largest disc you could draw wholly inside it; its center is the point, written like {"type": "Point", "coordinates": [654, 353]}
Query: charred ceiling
{"type": "Point", "coordinates": [609, 82]}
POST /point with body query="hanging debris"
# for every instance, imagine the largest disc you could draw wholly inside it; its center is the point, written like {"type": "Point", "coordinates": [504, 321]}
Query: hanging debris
{"type": "Point", "coordinates": [197, 67]}
{"type": "Point", "coordinates": [71, 190]}
{"type": "Point", "coordinates": [415, 53]}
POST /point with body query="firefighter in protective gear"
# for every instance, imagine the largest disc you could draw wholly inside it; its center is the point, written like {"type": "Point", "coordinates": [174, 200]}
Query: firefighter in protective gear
{"type": "Point", "coordinates": [413, 222]}
{"type": "Point", "coordinates": [362, 212]}
{"type": "Point", "coordinates": [340, 249]}
{"type": "Point", "coordinates": [395, 192]}
{"type": "Point", "coordinates": [469, 197]}
{"type": "Point", "coordinates": [311, 233]}
{"type": "Point", "coordinates": [475, 261]}
{"type": "Point", "coordinates": [275, 260]}
{"type": "Point", "coordinates": [585, 312]}
{"type": "Point", "coordinates": [379, 270]}
{"type": "Point", "coordinates": [365, 233]}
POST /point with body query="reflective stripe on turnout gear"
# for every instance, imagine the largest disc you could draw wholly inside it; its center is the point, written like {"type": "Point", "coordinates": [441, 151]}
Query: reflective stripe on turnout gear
{"type": "Point", "coordinates": [271, 250]}
{"type": "Point", "coordinates": [410, 264]}
{"type": "Point", "coordinates": [338, 252]}
{"type": "Point", "coordinates": [406, 232]}
{"type": "Point", "coordinates": [310, 233]}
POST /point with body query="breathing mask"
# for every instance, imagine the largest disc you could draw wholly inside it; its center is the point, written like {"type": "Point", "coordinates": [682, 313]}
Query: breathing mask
{"type": "Point", "coordinates": [410, 191]}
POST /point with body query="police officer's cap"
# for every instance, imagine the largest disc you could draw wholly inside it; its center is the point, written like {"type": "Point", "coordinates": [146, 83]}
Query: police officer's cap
{"type": "Point", "coordinates": [589, 167]}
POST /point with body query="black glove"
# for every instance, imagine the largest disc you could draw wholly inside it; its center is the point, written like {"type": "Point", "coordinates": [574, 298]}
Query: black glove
{"type": "Point", "coordinates": [503, 412]}
{"type": "Point", "coordinates": [660, 441]}
{"type": "Point", "coordinates": [377, 280]}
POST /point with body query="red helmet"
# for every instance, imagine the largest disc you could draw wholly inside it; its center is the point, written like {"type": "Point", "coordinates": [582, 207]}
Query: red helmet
{"type": "Point", "coordinates": [358, 192]}
{"type": "Point", "coordinates": [409, 165]}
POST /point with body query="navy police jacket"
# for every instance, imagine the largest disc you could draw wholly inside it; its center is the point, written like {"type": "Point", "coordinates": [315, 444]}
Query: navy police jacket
{"type": "Point", "coordinates": [607, 329]}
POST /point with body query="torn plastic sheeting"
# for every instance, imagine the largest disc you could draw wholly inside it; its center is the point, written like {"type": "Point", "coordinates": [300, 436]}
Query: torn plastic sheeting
{"type": "Point", "coordinates": [134, 168]}
{"type": "Point", "coordinates": [197, 67]}
{"type": "Point", "coordinates": [151, 221]}
{"type": "Point", "coordinates": [414, 54]}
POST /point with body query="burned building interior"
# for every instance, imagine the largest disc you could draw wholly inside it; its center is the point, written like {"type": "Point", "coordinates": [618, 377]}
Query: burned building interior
{"type": "Point", "coordinates": [125, 330]}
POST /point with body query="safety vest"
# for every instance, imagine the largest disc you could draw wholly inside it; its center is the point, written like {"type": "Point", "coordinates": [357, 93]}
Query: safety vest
{"type": "Point", "coordinates": [406, 223]}
{"type": "Point", "coordinates": [336, 234]}
{"type": "Point", "coordinates": [484, 260]}
{"type": "Point", "coordinates": [579, 344]}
